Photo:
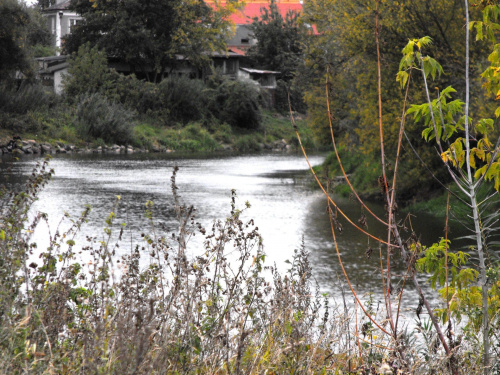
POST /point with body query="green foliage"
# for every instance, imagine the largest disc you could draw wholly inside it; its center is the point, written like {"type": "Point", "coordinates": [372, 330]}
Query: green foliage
{"type": "Point", "coordinates": [23, 35]}
{"type": "Point", "coordinates": [88, 72]}
{"type": "Point", "coordinates": [137, 95]}
{"type": "Point", "coordinates": [37, 33]}
{"type": "Point", "coordinates": [183, 99]}
{"type": "Point", "coordinates": [248, 143]}
{"type": "Point", "coordinates": [344, 54]}
{"type": "Point", "coordinates": [280, 41]}
{"type": "Point", "coordinates": [147, 35]}
{"type": "Point", "coordinates": [235, 103]}
{"type": "Point", "coordinates": [287, 94]}
{"type": "Point", "coordinates": [28, 97]}
{"type": "Point", "coordinates": [96, 117]}
{"type": "Point", "coordinates": [15, 18]}
{"type": "Point", "coordinates": [472, 158]}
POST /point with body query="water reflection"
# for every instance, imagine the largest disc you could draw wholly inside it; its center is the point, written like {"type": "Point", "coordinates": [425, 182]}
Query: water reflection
{"type": "Point", "coordinates": [283, 205]}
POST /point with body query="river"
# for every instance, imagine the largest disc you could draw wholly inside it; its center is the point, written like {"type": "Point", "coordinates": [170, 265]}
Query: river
{"type": "Point", "coordinates": [284, 205]}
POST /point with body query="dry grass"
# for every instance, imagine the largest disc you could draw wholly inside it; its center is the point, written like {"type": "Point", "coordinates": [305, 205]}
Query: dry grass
{"type": "Point", "coordinates": [221, 311]}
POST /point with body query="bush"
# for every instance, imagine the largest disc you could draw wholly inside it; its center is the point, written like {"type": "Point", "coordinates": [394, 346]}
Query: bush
{"type": "Point", "coordinates": [183, 98]}
{"type": "Point", "coordinates": [236, 103]}
{"type": "Point", "coordinates": [195, 138]}
{"type": "Point", "coordinates": [247, 143]}
{"type": "Point", "coordinates": [141, 96]}
{"type": "Point", "coordinates": [28, 97]}
{"type": "Point", "coordinates": [99, 118]}
{"type": "Point", "coordinates": [88, 72]}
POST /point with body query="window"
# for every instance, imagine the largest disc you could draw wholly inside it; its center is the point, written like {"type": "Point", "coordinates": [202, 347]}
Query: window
{"type": "Point", "coordinates": [245, 41]}
{"type": "Point", "coordinates": [52, 21]}
{"type": "Point", "coordinates": [74, 22]}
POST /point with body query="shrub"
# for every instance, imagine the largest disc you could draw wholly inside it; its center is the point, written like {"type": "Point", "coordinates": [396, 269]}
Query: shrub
{"type": "Point", "coordinates": [27, 97]}
{"type": "Point", "coordinates": [172, 308]}
{"type": "Point", "coordinates": [88, 72]}
{"type": "Point", "coordinates": [195, 138]}
{"type": "Point", "coordinates": [99, 118]}
{"type": "Point", "coordinates": [183, 98]}
{"type": "Point", "coordinates": [222, 132]}
{"type": "Point", "coordinates": [141, 96]}
{"type": "Point", "coordinates": [247, 143]}
{"type": "Point", "coordinates": [236, 103]}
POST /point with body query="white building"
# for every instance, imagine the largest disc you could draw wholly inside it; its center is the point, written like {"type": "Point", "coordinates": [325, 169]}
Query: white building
{"type": "Point", "coordinates": [60, 20]}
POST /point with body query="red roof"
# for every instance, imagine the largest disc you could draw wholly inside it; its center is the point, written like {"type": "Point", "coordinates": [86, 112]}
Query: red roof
{"type": "Point", "coordinates": [246, 14]}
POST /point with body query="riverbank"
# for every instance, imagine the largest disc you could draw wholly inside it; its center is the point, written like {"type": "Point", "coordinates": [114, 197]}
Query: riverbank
{"type": "Point", "coordinates": [275, 134]}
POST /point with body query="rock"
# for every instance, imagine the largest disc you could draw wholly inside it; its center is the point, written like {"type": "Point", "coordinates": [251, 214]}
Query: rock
{"type": "Point", "coordinates": [17, 151]}
{"type": "Point", "coordinates": [27, 149]}
{"type": "Point", "coordinates": [61, 150]}
{"type": "Point", "coordinates": [46, 149]}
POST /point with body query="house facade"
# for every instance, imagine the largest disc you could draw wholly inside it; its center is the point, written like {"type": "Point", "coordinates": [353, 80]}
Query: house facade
{"type": "Point", "coordinates": [60, 20]}
{"type": "Point", "coordinates": [51, 70]}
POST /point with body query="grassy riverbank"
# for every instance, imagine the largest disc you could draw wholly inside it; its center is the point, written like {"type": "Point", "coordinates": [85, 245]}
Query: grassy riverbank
{"type": "Point", "coordinates": [275, 132]}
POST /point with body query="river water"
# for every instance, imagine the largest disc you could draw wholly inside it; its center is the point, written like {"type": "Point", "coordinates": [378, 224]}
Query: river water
{"type": "Point", "coordinates": [284, 205]}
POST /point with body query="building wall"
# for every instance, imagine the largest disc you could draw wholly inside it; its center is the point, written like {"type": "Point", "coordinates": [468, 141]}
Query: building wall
{"type": "Point", "coordinates": [58, 25]}
{"type": "Point", "coordinates": [243, 33]}
{"type": "Point", "coordinates": [58, 77]}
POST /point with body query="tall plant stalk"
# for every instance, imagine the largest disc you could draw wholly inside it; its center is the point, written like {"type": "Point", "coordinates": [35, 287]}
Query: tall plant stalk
{"type": "Point", "coordinates": [473, 201]}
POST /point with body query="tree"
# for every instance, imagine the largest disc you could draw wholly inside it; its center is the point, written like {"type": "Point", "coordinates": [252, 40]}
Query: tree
{"type": "Point", "coordinates": [23, 35]}
{"type": "Point", "coordinates": [44, 4]}
{"type": "Point", "coordinates": [280, 41]}
{"type": "Point", "coordinates": [345, 52]}
{"type": "Point", "coordinates": [14, 18]}
{"type": "Point", "coordinates": [468, 152]}
{"type": "Point", "coordinates": [88, 73]}
{"type": "Point", "coordinates": [38, 37]}
{"type": "Point", "coordinates": [149, 34]}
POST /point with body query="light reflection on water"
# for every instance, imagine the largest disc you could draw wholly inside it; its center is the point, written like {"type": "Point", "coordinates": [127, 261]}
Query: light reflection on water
{"type": "Point", "coordinates": [284, 206]}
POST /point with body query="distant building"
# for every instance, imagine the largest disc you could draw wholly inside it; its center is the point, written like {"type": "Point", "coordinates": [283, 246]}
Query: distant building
{"type": "Point", "coordinates": [60, 20]}
{"type": "Point", "coordinates": [51, 70]}
{"type": "Point", "coordinates": [264, 78]}
{"type": "Point", "coordinates": [243, 38]}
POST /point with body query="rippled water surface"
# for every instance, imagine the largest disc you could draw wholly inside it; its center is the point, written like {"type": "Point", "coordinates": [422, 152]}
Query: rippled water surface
{"type": "Point", "coordinates": [283, 205]}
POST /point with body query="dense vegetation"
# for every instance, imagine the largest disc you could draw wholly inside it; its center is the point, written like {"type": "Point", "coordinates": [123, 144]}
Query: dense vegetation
{"type": "Point", "coordinates": [101, 106]}
{"type": "Point", "coordinates": [216, 311]}
{"type": "Point", "coordinates": [167, 308]}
